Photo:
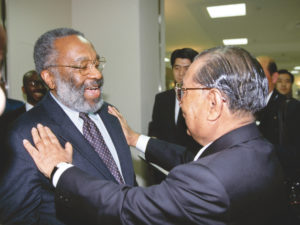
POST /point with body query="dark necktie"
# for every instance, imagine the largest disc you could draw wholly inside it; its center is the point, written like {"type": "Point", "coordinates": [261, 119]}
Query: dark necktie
{"type": "Point", "coordinates": [94, 137]}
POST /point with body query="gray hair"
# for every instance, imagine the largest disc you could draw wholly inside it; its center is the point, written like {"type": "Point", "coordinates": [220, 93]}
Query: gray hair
{"type": "Point", "coordinates": [237, 74]}
{"type": "Point", "coordinates": [44, 51]}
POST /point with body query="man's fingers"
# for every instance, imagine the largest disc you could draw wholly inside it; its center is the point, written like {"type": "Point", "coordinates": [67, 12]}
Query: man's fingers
{"type": "Point", "coordinates": [112, 111]}
{"type": "Point", "coordinates": [36, 138]}
{"type": "Point", "coordinates": [69, 150]}
{"type": "Point", "coordinates": [52, 137]}
{"type": "Point", "coordinates": [31, 150]}
{"type": "Point", "coordinates": [43, 134]}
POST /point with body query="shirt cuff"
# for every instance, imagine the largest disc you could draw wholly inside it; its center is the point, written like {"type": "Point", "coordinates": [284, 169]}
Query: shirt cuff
{"type": "Point", "coordinates": [142, 142]}
{"type": "Point", "coordinates": [61, 167]}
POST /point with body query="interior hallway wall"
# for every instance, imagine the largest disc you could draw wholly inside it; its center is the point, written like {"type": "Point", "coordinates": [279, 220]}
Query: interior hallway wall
{"type": "Point", "coordinates": [125, 32]}
{"type": "Point", "coordinates": [25, 22]}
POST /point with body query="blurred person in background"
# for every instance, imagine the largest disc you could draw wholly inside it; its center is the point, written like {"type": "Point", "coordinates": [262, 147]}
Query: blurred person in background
{"type": "Point", "coordinates": [284, 84]}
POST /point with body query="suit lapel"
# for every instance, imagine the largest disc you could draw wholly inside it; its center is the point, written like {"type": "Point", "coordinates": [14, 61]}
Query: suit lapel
{"type": "Point", "coordinates": [233, 138]}
{"type": "Point", "coordinates": [65, 130]}
{"type": "Point", "coordinates": [171, 107]}
{"type": "Point", "coordinates": [181, 121]}
{"type": "Point", "coordinates": [115, 131]}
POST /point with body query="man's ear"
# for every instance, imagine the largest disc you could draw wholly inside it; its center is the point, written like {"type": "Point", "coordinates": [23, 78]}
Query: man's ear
{"type": "Point", "coordinates": [23, 90]}
{"type": "Point", "coordinates": [215, 101]}
{"type": "Point", "coordinates": [275, 77]}
{"type": "Point", "coordinates": [48, 79]}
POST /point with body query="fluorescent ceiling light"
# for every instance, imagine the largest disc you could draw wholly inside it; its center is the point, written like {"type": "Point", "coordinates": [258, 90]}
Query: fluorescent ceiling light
{"type": "Point", "coordinates": [236, 41]}
{"type": "Point", "coordinates": [294, 71]}
{"type": "Point", "coordinates": [227, 10]}
{"type": "Point", "coordinates": [167, 60]}
{"type": "Point", "coordinates": [297, 68]}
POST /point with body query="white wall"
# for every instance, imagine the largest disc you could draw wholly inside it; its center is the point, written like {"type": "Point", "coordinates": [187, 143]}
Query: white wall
{"type": "Point", "coordinates": [126, 32]}
{"type": "Point", "coordinates": [26, 21]}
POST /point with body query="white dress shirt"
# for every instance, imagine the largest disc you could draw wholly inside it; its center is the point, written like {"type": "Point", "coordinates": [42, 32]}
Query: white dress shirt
{"type": "Point", "coordinates": [177, 107]}
{"type": "Point", "coordinates": [28, 106]}
{"type": "Point", "coordinates": [143, 140]}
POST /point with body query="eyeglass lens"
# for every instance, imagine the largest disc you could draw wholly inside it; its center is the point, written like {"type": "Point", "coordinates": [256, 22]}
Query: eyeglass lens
{"type": "Point", "coordinates": [98, 64]}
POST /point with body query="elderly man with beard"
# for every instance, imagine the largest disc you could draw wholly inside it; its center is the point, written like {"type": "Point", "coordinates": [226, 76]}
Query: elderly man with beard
{"type": "Point", "coordinates": [75, 111]}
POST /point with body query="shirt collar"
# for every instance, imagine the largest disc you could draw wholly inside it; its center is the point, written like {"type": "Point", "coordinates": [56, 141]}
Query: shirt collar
{"type": "Point", "coordinates": [269, 96]}
{"type": "Point", "coordinates": [201, 151]}
{"type": "Point", "coordinates": [28, 106]}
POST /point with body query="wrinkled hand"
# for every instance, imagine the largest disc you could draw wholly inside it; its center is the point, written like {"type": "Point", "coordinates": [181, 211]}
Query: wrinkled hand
{"type": "Point", "coordinates": [130, 135]}
{"type": "Point", "coordinates": [47, 152]}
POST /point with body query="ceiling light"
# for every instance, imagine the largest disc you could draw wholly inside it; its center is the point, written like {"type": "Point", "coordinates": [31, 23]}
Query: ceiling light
{"type": "Point", "coordinates": [236, 41]}
{"type": "Point", "coordinates": [167, 60]}
{"type": "Point", "coordinates": [294, 71]}
{"type": "Point", "coordinates": [297, 68]}
{"type": "Point", "coordinates": [227, 10]}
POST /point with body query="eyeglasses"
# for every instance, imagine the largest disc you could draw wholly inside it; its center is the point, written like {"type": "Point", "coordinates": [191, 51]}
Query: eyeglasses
{"type": "Point", "coordinates": [180, 91]}
{"type": "Point", "coordinates": [85, 66]}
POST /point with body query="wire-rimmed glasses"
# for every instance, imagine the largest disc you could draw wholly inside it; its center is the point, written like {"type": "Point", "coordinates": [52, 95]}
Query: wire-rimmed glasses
{"type": "Point", "coordinates": [85, 66]}
{"type": "Point", "coordinates": [180, 91]}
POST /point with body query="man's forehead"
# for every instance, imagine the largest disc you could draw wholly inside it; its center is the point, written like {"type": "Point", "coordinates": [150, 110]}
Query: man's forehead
{"type": "Point", "coordinates": [71, 40]}
{"type": "Point", "coordinates": [182, 61]}
{"type": "Point", "coordinates": [193, 70]}
{"type": "Point", "coordinates": [284, 76]}
{"type": "Point", "coordinates": [33, 76]}
{"type": "Point", "coordinates": [188, 78]}
{"type": "Point", "coordinates": [77, 47]}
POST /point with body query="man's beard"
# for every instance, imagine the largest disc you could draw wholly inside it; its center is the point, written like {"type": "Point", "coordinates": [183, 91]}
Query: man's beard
{"type": "Point", "coordinates": [73, 97]}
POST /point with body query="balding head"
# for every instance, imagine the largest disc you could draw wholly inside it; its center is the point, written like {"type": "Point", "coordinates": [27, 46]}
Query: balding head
{"type": "Point", "coordinates": [270, 69]}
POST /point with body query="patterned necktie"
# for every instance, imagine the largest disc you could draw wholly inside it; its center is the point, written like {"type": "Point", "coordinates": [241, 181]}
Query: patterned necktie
{"type": "Point", "coordinates": [94, 137]}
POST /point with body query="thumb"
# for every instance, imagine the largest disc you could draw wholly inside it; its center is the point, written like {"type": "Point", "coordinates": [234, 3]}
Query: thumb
{"type": "Point", "coordinates": [69, 150]}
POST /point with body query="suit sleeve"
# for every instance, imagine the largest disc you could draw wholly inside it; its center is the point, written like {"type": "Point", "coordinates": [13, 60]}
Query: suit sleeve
{"type": "Point", "coordinates": [20, 187]}
{"type": "Point", "coordinates": [185, 197]}
{"type": "Point", "coordinates": [167, 155]}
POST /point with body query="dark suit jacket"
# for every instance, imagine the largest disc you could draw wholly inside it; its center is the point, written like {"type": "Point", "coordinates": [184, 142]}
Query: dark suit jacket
{"type": "Point", "coordinates": [237, 180]}
{"type": "Point", "coordinates": [12, 104]}
{"type": "Point", "coordinates": [279, 123]}
{"type": "Point", "coordinates": [163, 124]}
{"type": "Point", "coordinates": [27, 197]}
{"type": "Point", "coordinates": [167, 155]}
{"type": "Point", "coordinates": [8, 118]}
{"type": "Point", "coordinates": [271, 116]}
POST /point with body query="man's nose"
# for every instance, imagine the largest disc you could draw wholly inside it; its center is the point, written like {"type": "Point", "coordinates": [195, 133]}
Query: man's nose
{"type": "Point", "coordinates": [182, 71]}
{"type": "Point", "coordinates": [95, 73]}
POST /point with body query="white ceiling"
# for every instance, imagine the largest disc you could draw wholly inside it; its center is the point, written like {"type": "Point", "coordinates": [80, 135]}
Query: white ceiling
{"type": "Point", "coordinates": [271, 26]}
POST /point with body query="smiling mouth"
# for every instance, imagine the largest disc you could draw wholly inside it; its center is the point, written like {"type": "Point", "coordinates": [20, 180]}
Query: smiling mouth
{"type": "Point", "coordinates": [92, 88]}
{"type": "Point", "coordinates": [92, 92]}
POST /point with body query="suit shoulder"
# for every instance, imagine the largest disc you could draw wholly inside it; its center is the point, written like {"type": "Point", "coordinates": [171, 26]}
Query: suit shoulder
{"type": "Point", "coordinates": [165, 95]}
{"type": "Point", "coordinates": [29, 119]}
{"type": "Point", "coordinates": [104, 107]}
